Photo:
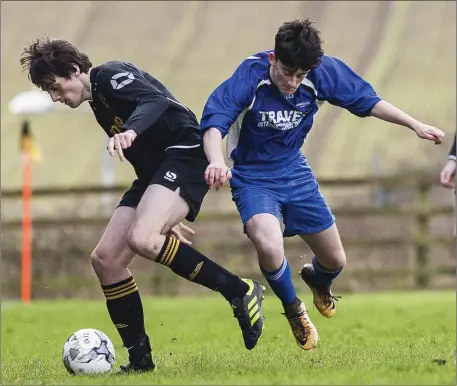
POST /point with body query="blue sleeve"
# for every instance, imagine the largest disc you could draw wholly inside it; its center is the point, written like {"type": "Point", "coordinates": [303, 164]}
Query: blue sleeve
{"type": "Point", "coordinates": [229, 99]}
{"type": "Point", "coordinates": [338, 84]}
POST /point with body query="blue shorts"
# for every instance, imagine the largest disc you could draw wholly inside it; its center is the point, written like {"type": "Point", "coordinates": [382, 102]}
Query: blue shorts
{"type": "Point", "coordinates": [290, 193]}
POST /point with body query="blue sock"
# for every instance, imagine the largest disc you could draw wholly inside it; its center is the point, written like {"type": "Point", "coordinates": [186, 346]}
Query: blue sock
{"type": "Point", "coordinates": [280, 282]}
{"type": "Point", "coordinates": [323, 276]}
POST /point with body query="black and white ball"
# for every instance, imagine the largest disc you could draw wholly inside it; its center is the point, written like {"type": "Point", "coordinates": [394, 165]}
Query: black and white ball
{"type": "Point", "coordinates": [88, 351]}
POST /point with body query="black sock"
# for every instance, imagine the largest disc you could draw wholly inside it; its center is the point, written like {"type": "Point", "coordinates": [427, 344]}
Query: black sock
{"type": "Point", "coordinates": [190, 264]}
{"type": "Point", "coordinates": [126, 310]}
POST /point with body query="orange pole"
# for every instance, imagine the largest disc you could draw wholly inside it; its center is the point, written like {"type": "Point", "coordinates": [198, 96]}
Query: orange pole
{"type": "Point", "coordinates": [26, 247]}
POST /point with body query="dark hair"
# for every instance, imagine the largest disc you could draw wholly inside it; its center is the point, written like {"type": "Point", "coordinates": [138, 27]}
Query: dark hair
{"type": "Point", "coordinates": [47, 58]}
{"type": "Point", "coordinates": [298, 45]}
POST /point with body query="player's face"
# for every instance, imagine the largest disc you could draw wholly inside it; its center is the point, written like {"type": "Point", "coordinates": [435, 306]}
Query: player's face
{"type": "Point", "coordinates": [67, 91]}
{"type": "Point", "coordinates": [286, 80]}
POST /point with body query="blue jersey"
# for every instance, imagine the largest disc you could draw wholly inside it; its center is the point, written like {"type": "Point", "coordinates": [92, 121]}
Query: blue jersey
{"type": "Point", "coordinates": [267, 128]}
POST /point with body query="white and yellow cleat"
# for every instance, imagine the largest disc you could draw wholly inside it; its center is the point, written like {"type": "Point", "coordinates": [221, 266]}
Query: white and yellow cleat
{"type": "Point", "coordinates": [323, 298]}
{"type": "Point", "coordinates": [303, 329]}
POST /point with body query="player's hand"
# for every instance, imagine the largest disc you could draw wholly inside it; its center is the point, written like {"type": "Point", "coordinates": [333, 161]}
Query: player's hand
{"type": "Point", "coordinates": [179, 230]}
{"type": "Point", "coordinates": [448, 174]}
{"type": "Point", "coordinates": [121, 141]}
{"type": "Point", "coordinates": [429, 132]}
{"type": "Point", "coordinates": [216, 174]}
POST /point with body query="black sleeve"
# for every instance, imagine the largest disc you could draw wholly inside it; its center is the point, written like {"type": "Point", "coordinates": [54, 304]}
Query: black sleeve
{"type": "Point", "coordinates": [125, 82]}
{"type": "Point", "coordinates": [452, 154]}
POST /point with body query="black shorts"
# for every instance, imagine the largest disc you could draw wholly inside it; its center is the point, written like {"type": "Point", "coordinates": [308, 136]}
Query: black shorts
{"type": "Point", "coordinates": [180, 168]}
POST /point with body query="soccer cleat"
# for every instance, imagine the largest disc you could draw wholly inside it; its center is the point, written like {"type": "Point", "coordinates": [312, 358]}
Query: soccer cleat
{"type": "Point", "coordinates": [140, 358]}
{"type": "Point", "coordinates": [303, 329]}
{"type": "Point", "coordinates": [323, 298]}
{"type": "Point", "coordinates": [248, 311]}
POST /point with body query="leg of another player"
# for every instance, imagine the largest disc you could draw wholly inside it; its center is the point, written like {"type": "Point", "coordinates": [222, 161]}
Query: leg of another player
{"type": "Point", "coordinates": [264, 230]}
{"type": "Point", "coordinates": [110, 260]}
{"type": "Point", "coordinates": [161, 208]}
{"type": "Point", "coordinates": [328, 262]}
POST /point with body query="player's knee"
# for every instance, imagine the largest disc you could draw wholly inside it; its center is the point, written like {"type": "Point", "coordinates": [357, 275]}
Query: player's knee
{"type": "Point", "coordinates": [272, 249]}
{"type": "Point", "coordinates": [268, 248]}
{"type": "Point", "coordinates": [335, 260]}
{"type": "Point", "coordinates": [144, 243]}
{"type": "Point", "coordinates": [340, 259]}
{"type": "Point", "coordinates": [101, 260]}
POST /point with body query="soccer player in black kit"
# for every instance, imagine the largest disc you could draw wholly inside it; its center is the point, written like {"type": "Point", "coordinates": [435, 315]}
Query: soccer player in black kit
{"type": "Point", "coordinates": [160, 137]}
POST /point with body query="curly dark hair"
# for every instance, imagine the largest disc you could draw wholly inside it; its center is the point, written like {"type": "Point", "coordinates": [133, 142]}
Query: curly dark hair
{"type": "Point", "coordinates": [298, 45]}
{"type": "Point", "coordinates": [47, 58]}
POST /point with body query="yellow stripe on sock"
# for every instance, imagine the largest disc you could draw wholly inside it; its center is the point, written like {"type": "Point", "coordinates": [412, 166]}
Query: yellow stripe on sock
{"type": "Point", "coordinates": [123, 290]}
{"type": "Point", "coordinates": [165, 253]}
{"type": "Point", "coordinates": [121, 295]}
{"type": "Point", "coordinates": [173, 252]}
{"type": "Point", "coordinates": [168, 251]}
{"type": "Point", "coordinates": [109, 290]}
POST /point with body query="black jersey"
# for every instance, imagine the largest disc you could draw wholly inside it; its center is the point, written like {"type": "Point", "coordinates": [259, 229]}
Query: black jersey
{"type": "Point", "coordinates": [125, 97]}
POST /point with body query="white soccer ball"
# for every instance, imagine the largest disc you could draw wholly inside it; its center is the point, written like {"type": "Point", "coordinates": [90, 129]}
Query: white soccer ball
{"type": "Point", "coordinates": [88, 351]}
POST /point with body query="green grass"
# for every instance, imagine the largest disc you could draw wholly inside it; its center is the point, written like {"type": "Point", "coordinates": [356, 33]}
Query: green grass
{"type": "Point", "coordinates": [384, 338]}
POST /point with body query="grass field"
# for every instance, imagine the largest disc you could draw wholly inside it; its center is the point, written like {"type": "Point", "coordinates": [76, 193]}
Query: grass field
{"type": "Point", "coordinates": [382, 338]}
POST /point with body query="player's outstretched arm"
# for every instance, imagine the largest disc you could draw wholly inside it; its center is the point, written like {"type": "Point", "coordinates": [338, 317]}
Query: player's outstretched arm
{"type": "Point", "coordinates": [389, 113]}
{"type": "Point", "coordinates": [217, 172]}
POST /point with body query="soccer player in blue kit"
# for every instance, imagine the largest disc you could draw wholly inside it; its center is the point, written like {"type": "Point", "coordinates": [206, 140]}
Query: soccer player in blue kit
{"type": "Point", "coordinates": [267, 108]}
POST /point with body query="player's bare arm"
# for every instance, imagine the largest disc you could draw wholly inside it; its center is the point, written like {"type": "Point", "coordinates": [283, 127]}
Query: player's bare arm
{"type": "Point", "coordinates": [387, 112]}
{"type": "Point", "coordinates": [217, 172]}
{"type": "Point", "coordinates": [447, 175]}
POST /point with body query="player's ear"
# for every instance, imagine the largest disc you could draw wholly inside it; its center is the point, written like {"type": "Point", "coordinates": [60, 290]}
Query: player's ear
{"type": "Point", "coordinates": [271, 58]}
{"type": "Point", "coordinates": [77, 71]}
